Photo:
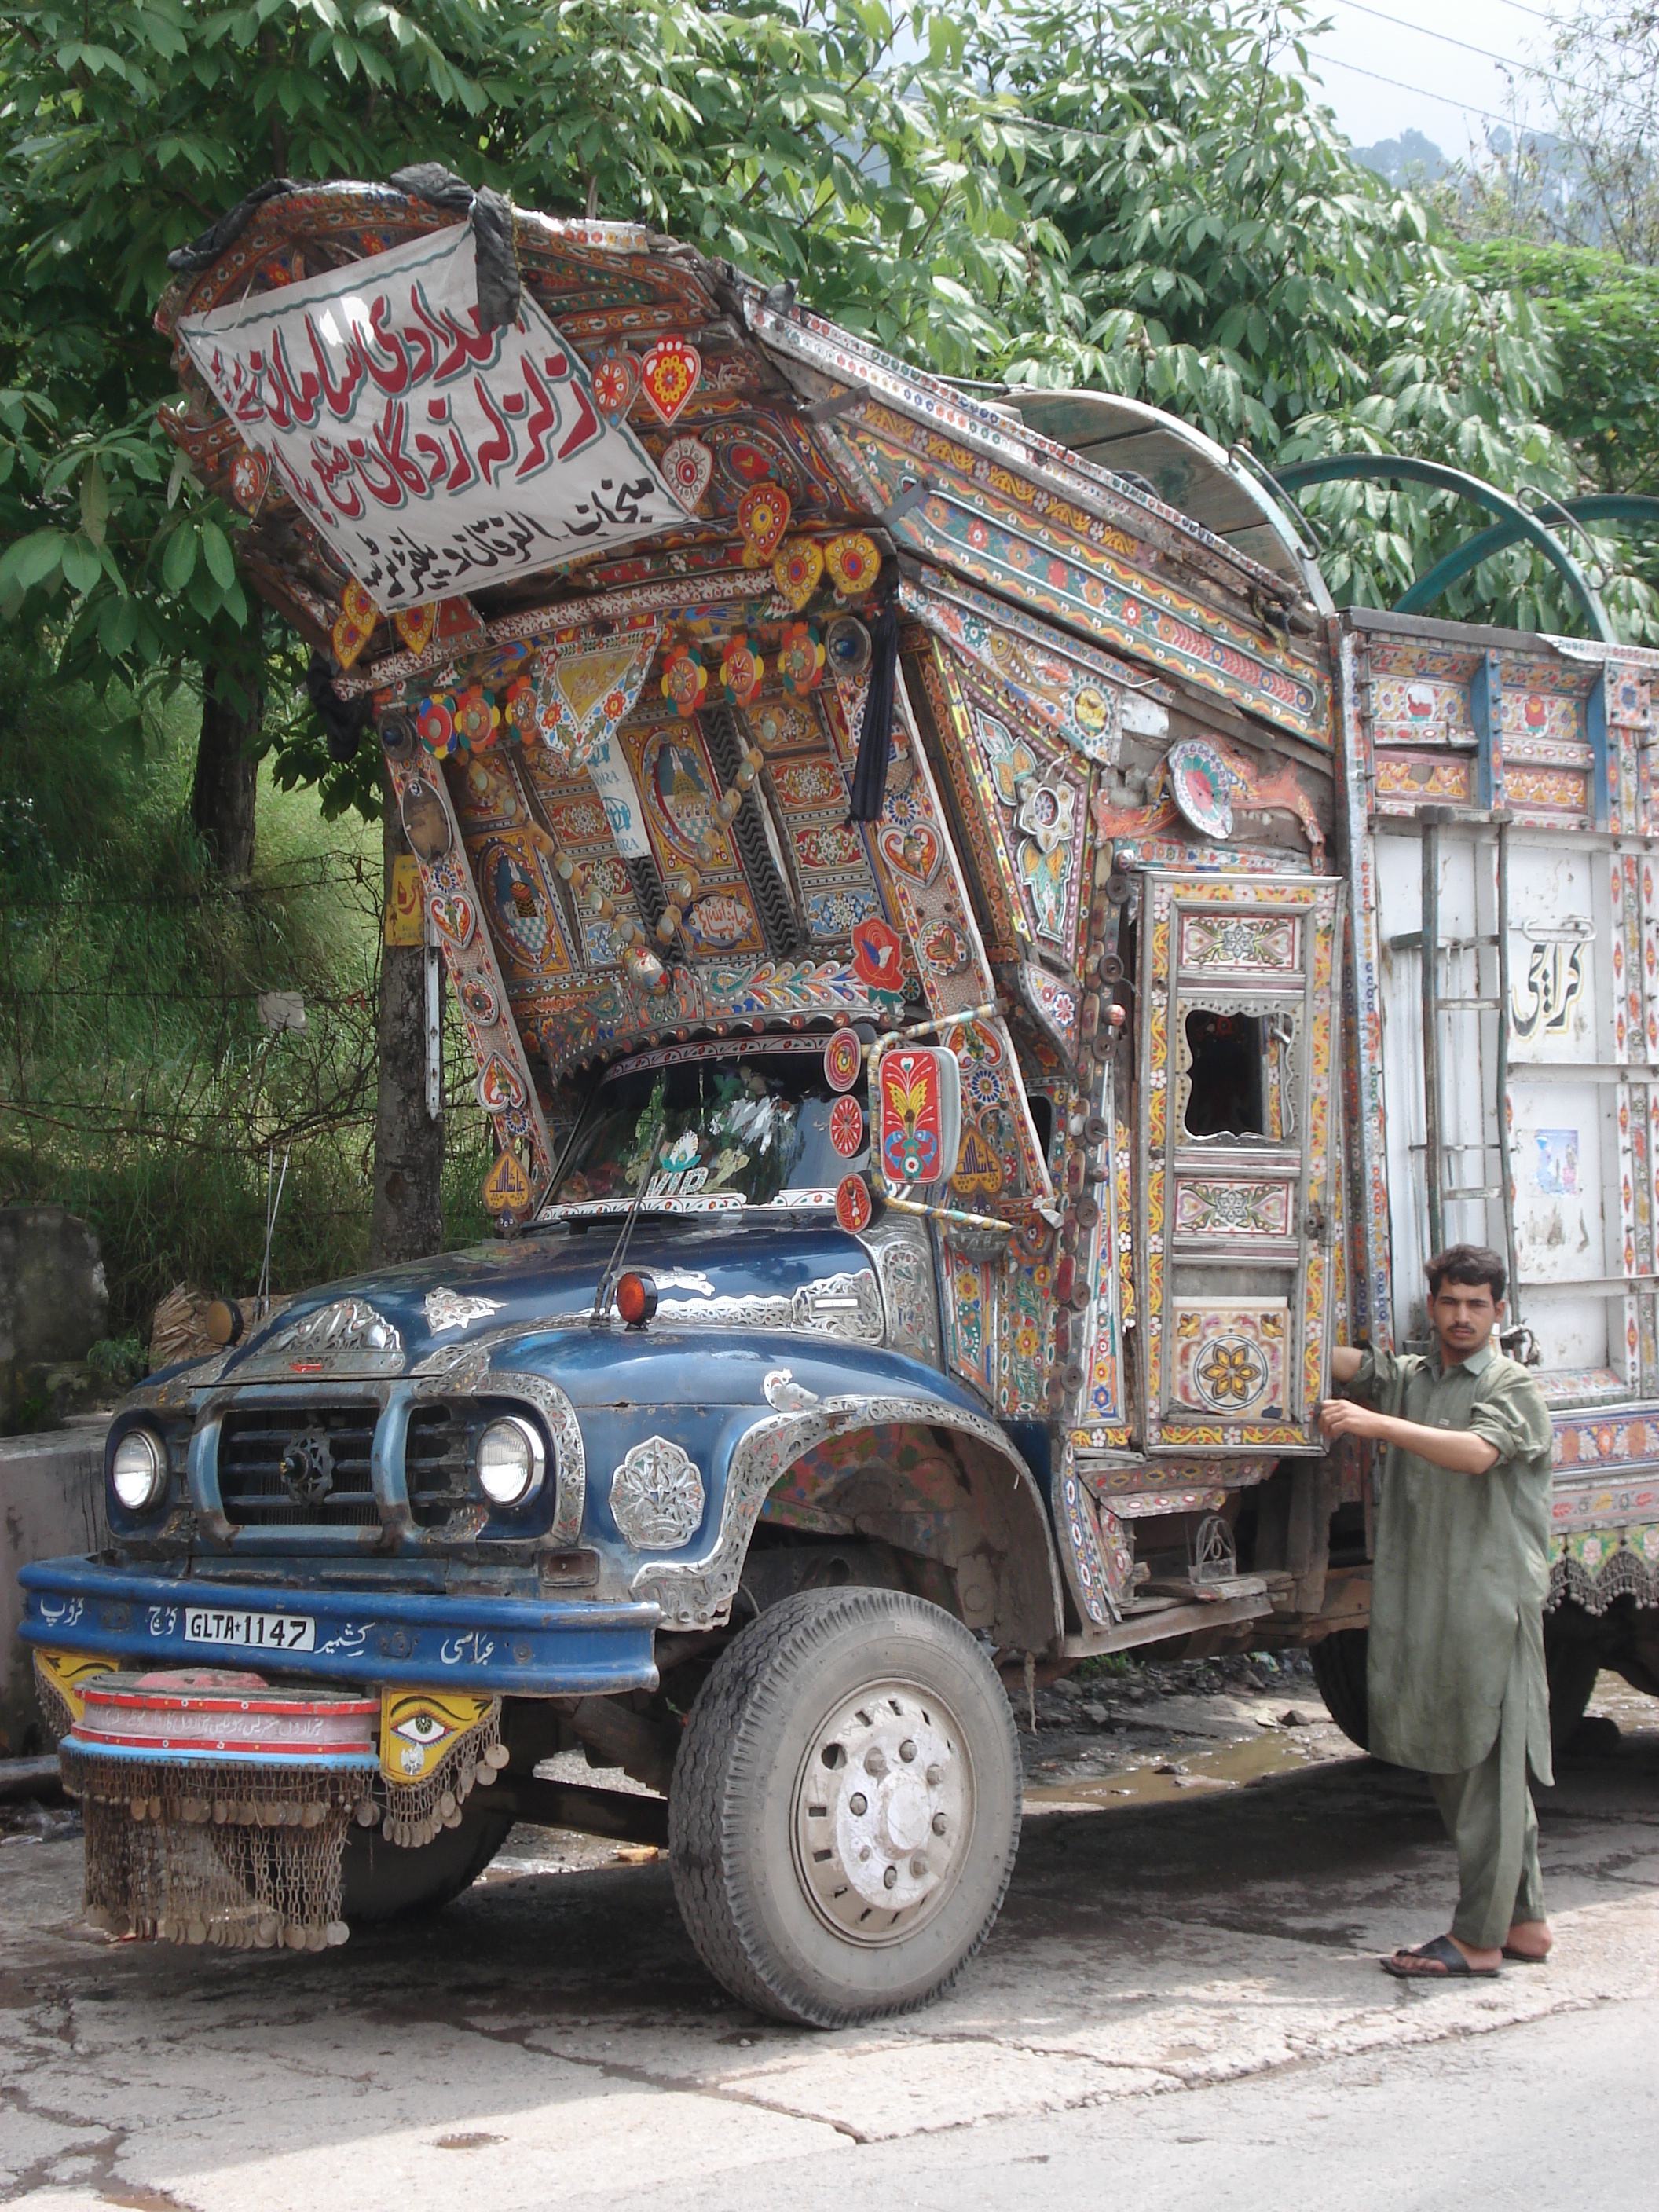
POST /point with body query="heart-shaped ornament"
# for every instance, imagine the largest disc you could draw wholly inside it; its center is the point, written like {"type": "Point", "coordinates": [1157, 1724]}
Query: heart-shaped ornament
{"type": "Point", "coordinates": [499, 1087]}
{"type": "Point", "coordinates": [796, 566]}
{"type": "Point", "coordinates": [687, 466]}
{"type": "Point", "coordinates": [416, 625]}
{"type": "Point", "coordinates": [452, 916]}
{"type": "Point", "coordinates": [762, 516]}
{"type": "Point", "coordinates": [669, 373]}
{"type": "Point", "coordinates": [358, 605]}
{"type": "Point", "coordinates": [348, 638]}
{"type": "Point", "coordinates": [913, 851]}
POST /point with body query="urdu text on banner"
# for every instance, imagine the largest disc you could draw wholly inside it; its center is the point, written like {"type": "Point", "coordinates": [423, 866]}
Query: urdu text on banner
{"type": "Point", "coordinates": [434, 458]}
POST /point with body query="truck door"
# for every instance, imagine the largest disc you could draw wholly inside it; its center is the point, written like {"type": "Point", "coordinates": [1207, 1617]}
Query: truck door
{"type": "Point", "coordinates": [1238, 1140]}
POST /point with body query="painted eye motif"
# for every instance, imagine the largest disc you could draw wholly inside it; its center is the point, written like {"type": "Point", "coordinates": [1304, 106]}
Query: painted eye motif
{"type": "Point", "coordinates": [423, 1729]}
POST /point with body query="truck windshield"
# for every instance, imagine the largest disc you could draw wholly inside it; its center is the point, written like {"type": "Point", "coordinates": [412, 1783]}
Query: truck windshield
{"type": "Point", "coordinates": [745, 1124]}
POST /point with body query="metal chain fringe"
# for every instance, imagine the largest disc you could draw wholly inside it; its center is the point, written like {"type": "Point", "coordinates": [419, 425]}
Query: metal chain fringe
{"type": "Point", "coordinates": [244, 1855]}
{"type": "Point", "coordinates": [417, 1810]}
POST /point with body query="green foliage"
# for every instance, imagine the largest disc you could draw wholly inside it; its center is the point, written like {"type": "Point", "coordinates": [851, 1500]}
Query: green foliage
{"type": "Point", "coordinates": [1139, 197]}
{"type": "Point", "coordinates": [1229, 260]}
{"type": "Point", "coordinates": [144, 1090]}
{"type": "Point", "coordinates": [791, 137]}
{"type": "Point", "coordinates": [1603, 314]}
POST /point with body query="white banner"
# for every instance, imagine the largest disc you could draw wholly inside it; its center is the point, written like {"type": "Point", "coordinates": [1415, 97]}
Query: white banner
{"type": "Point", "coordinates": [610, 778]}
{"type": "Point", "coordinates": [433, 458]}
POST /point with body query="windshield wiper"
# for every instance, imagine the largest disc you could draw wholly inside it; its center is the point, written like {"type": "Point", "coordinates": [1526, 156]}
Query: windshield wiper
{"type": "Point", "coordinates": [607, 1284]}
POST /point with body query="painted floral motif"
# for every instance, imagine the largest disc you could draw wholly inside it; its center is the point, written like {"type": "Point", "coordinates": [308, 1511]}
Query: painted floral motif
{"type": "Point", "coordinates": [1217, 1208]}
{"type": "Point", "coordinates": [1232, 940]}
{"type": "Point", "coordinates": [828, 845]}
{"type": "Point", "coordinates": [804, 786]}
{"type": "Point", "coordinates": [684, 680]}
{"type": "Point", "coordinates": [800, 659]}
{"type": "Point", "coordinates": [1230, 1357]}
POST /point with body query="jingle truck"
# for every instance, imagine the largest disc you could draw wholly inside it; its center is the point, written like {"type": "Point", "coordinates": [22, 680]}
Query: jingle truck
{"type": "Point", "coordinates": [953, 928]}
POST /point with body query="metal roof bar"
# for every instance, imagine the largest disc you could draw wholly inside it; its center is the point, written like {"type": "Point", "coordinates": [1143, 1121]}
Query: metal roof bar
{"type": "Point", "coordinates": [1600, 507]}
{"type": "Point", "coordinates": [1374, 467]}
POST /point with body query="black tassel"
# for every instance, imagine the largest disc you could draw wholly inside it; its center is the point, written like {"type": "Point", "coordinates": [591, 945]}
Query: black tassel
{"type": "Point", "coordinates": [343, 721]}
{"type": "Point", "coordinates": [876, 738]}
{"type": "Point", "coordinates": [491, 218]}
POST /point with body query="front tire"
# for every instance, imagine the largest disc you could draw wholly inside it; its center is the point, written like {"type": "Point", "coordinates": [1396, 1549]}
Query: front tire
{"type": "Point", "coordinates": [845, 1808]}
{"type": "Point", "coordinates": [382, 1880]}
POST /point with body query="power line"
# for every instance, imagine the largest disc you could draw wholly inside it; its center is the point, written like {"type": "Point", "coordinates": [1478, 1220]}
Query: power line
{"type": "Point", "coordinates": [1503, 61]}
{"type": "Point", "coordinates": [1421, 92]}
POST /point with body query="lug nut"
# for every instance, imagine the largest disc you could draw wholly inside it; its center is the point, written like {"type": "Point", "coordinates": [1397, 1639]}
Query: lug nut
{"type": "Point", "coordinates": [889, 1879]}
{"type": "Point", "coordinates": [858, 1805]}
{"type": "Point", "coordinates": [864, 1855]}
{"type": "Point", "coordinates": [938, 1824]}
{"type": "Point", "coordinates": [875, 1764]}
{"type": "Point", "coordinates": [935, 1776]}
{"type": "Point", "coordinates": [918, 1868]}
{"type": "Point", "coordinates": [906, 1751]}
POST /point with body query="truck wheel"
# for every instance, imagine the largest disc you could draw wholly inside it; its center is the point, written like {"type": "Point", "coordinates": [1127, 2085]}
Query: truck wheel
{"type": "Point", "coordinates": [381, 1881]}
{"type": "Point", "coordinates": [1572, 1668]}
{"type": "Point", "coordinates": [845, 1806]}
{"type": "Point", "coordinates": [1339, 1666]}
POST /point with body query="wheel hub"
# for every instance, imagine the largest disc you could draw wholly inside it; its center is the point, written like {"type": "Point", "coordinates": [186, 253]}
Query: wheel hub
{"type": "Point", "coordinates": [883, 1809]}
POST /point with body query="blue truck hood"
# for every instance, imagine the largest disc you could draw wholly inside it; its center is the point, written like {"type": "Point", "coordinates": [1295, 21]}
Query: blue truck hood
{"type": "Point", "coordinates": [731, 1276]}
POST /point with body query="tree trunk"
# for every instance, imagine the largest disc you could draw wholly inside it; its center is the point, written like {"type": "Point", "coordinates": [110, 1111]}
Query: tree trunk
{"type": "Point", "coordinates": [222, 799]}
{"type": "Point", "coordinates": [408, 1142]}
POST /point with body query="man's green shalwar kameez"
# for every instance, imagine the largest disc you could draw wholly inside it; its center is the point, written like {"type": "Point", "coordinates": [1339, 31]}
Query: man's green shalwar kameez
{"type": "Point", "coordinates": [1456, 1674]}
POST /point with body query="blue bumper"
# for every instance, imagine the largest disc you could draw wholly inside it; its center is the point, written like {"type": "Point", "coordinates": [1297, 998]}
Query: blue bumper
{"type": "Point", "coordinates": [501, 1646]}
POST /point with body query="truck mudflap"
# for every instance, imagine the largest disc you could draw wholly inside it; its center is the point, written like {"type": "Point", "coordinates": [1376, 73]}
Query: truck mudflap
{"type": "Point", "coordinates": [499, 1646]}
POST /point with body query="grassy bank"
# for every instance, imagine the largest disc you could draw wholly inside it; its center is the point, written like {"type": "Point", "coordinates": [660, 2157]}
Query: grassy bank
{"type": "Point", "coordinates": [144, 1087]}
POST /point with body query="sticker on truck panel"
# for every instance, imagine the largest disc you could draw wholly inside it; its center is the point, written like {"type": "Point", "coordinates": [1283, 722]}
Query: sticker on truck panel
{"type": "Point", "coordinates": [251, 1632]}
{"type": "Point", "coordinates": [417, 1726]}
{"type": "Point", "coordinates": [65, 1671]}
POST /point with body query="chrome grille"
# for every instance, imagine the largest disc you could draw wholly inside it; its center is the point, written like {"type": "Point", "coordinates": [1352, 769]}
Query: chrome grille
{"type": "Point", "coordinates": [299, 1467]}
{"type": "Point", "coordinates": [438, 1461]}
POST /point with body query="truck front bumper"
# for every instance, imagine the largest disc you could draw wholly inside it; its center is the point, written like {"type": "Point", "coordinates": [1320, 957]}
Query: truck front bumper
{"type": "Point", "coordinates": [501, 1646]}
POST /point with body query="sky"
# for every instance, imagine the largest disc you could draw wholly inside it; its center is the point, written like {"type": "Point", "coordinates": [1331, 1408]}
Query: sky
{"type": "Point", "coordinates": [1439, 87]}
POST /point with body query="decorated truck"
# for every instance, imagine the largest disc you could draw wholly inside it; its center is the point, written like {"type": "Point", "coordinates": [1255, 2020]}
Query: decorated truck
{"type": "Point", "coordinates": [956, 934]}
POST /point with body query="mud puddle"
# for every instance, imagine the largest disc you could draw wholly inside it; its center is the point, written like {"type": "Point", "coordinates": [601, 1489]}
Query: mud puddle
{"type": "Point", "coordinates": [1225, 1767]}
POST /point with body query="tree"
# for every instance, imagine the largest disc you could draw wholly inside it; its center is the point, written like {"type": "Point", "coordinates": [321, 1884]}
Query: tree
{"type": "Point", "coordinates": [1229, 260]}
{"type": "Point", "coordinates": [791, 136]}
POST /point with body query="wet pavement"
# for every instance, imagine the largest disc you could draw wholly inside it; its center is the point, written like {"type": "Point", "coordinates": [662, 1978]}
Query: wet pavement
{"type": "Point", "coordinates": [1182, 1998]}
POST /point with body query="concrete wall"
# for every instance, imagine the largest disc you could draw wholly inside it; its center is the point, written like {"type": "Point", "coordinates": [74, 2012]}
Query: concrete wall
{"type": "Point", "coordinates": [51, 1501]}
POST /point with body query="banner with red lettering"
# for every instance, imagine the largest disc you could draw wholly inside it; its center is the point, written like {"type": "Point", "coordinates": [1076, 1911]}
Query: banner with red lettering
{"type": "Point", "coordinates": [434, 458]}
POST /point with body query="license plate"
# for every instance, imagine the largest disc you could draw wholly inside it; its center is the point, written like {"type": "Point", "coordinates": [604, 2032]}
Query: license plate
{"type": "Point", "coordinates": [251, 1632]}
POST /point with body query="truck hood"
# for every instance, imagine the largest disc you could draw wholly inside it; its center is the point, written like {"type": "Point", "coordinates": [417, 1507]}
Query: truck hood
{"type": "Point", "coordinates": [811, 1276]}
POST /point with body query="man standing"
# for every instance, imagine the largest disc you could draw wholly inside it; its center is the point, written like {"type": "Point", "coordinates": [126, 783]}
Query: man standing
{"type": "Point", "coordinates": [1456, 1674]}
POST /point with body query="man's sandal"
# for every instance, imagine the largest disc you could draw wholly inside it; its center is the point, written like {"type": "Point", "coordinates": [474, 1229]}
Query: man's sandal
{"type": "Point", "coordinates": [1527, 1958]}
{"type": "Point", "coordinates": [1440, 1961]}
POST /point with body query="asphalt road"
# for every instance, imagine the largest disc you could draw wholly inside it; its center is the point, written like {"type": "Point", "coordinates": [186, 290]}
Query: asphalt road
{"type": "Point", "coordinates": [1180, 2004]}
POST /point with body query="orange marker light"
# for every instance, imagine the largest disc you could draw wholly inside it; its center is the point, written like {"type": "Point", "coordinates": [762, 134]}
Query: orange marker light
{"type": "Point", "coordinates": [636, 1299]}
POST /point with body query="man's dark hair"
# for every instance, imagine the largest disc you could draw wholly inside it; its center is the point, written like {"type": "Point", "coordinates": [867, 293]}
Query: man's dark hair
{"type": "Point", "coordinates": [1469, 1263]}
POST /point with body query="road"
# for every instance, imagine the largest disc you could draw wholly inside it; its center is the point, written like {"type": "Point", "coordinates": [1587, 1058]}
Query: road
{"type": "Point", "coordinates": [1180, 2001]}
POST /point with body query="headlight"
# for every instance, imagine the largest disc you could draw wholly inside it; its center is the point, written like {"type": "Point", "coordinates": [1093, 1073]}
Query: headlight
{"type": "Point", "coordinates": [138, 1470]}
{"type": "Point", "coordinates": [511, 1462]}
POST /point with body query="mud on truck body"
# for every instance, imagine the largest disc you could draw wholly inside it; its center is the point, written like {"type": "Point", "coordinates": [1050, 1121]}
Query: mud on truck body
{"type": "Point", "coordinates": [927, 882]}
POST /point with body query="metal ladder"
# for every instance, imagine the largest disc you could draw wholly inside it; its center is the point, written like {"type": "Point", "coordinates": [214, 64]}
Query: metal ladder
{"type": "Point", "coordinates": [1428, 942]}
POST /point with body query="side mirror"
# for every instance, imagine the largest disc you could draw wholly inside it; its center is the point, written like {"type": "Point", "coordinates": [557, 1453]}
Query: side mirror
{"type": "Point", "coordinates": [918, 1115]}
